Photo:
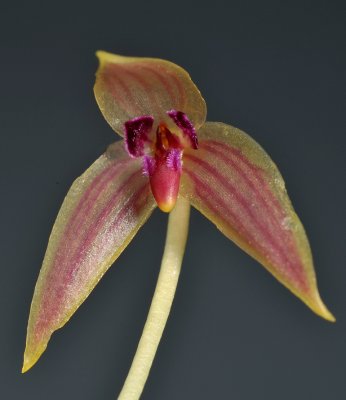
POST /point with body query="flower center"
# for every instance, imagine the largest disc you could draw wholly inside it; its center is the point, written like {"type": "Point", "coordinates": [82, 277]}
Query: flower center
{"type": "Point", "coordinates": [161, 152]}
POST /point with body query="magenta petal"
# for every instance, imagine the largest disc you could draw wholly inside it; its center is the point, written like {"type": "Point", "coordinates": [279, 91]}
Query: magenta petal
{"type": "Point", "coordinates": [137, 134]}
{"type": "Point", "coordinates": [183, 123]}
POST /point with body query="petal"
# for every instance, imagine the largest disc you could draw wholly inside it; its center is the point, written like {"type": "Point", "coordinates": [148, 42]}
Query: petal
{"type": "Point", "coordinates": [128, 87]}
{"type": "Point", "coordinates": [100, 215]}
{"type": "Point", "coordinates": [137, 134]}
{"type": "Point", "coordinates": [235, 184]}
{"type": "Point", "coordinates": [185, 125]}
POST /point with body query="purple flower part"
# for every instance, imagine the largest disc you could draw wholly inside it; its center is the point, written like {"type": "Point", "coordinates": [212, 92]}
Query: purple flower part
{"type": "Point", "coordinates": [173, 159]}
{"type": "Point", "coordinates": [182, 122]}
{"type": "Point", "coordinates": [149, 165]}
{"type": "Point", "coordinates": [136, 134]}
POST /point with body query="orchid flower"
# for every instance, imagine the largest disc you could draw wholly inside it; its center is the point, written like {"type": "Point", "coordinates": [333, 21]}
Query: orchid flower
{"type": "Point", "coordinates": [172, 158]}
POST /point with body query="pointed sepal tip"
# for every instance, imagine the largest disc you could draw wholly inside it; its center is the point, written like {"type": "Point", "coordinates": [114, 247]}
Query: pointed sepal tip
{"type": "Point", "coordinates": [318, 307]}
{"type": "Point", "coordinates": [31, 357]}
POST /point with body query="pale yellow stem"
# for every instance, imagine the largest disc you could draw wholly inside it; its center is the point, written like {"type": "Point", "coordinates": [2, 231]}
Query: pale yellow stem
{"type": "Point", "coordinates": [177, 230]}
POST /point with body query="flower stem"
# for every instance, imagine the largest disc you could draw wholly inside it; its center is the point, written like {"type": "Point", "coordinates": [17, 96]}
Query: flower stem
{"type": "Point", "coordinates": [178, 224]}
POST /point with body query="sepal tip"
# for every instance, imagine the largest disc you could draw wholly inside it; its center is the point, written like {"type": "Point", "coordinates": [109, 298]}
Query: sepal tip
{"type": "Point", "coordinates": [318, 307]}
{"type": "Point", "coordinates": [31, 357]}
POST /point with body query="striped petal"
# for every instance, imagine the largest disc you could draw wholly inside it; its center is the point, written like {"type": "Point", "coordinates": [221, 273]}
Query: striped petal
{"type": "Point", "coordinates": [128, 87]}
{"type": "Point", "coordinates": [100, 215]}
{"type": "Point", "coordinates": [235, 184]}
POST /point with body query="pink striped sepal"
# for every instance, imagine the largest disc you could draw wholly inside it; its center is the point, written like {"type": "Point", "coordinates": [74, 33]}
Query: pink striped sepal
{"type": "Point", "coordinates": [100, 215]}
{"type": "Point", "coordinates": [235, 184]}
{"type": "Point", "coordinates": [129, 87]}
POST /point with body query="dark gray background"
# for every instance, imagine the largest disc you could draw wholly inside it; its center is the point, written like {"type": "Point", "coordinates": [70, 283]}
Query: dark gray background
{"type": "Point", "coordinates": [276, 69]}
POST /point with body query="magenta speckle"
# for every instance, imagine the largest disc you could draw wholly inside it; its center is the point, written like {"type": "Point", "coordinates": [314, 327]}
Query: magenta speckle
{"type": "Point", "coordinates": [149, 165]}
{"type": "Point", "coordinates": [173, 159]}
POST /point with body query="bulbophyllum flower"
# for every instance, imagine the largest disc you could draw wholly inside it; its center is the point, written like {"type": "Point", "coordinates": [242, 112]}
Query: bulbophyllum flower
{"type": "Point", "coordinates": [169, 157]}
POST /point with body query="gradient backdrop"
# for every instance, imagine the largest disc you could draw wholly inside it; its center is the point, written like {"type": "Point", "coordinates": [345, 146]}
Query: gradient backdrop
{"type": "Point", "coordinates": [276, 69]}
